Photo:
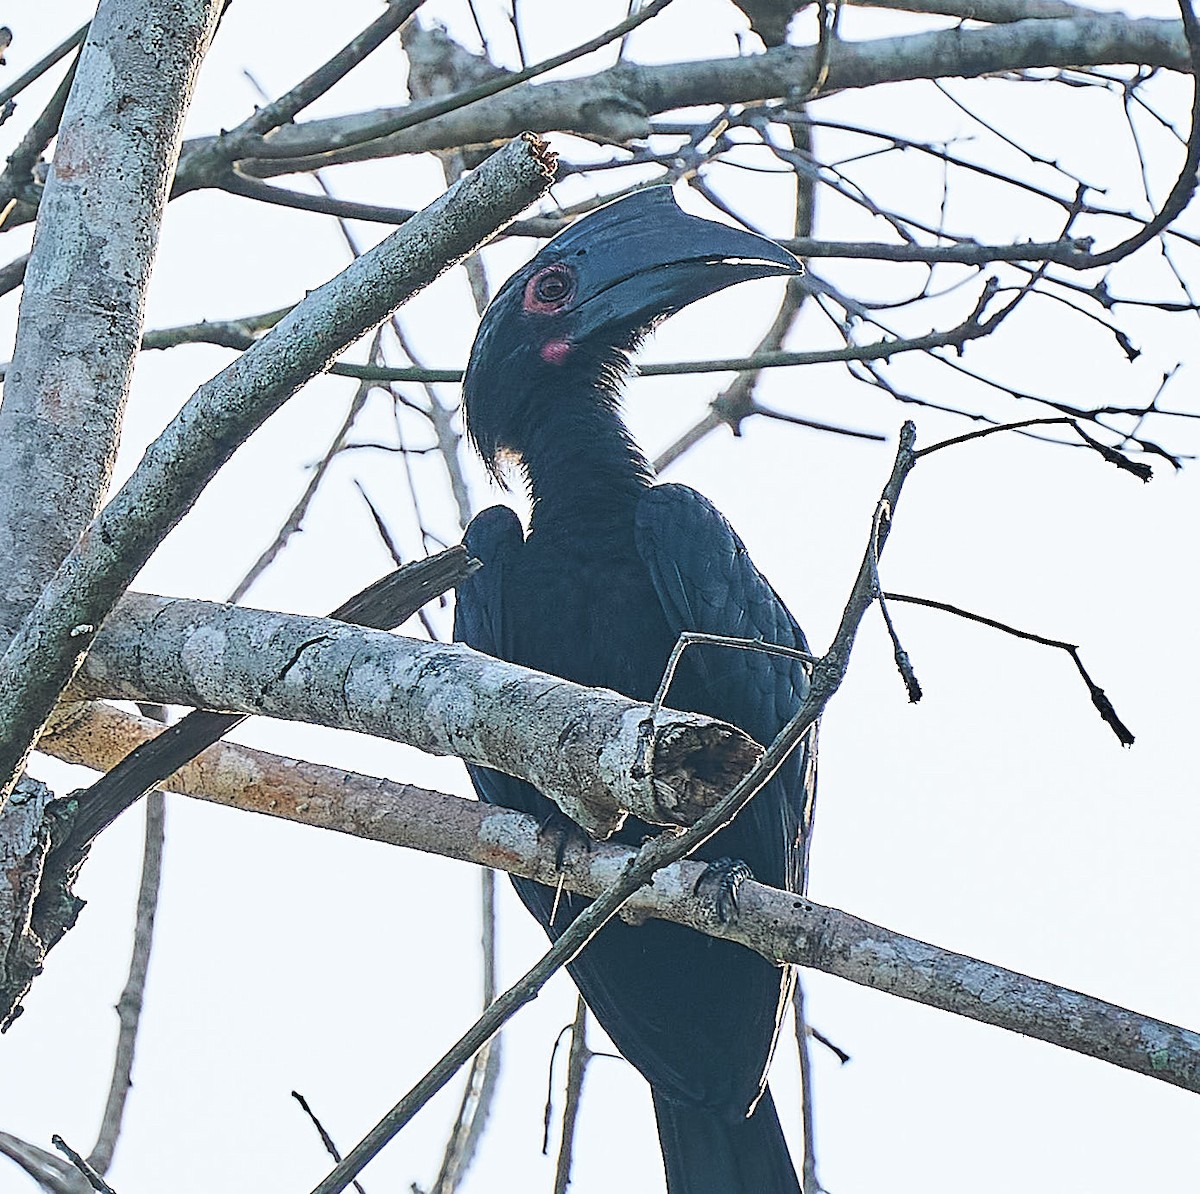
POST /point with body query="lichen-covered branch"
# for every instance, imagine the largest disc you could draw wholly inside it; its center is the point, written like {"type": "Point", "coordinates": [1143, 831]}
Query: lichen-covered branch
{"type": "Point", "coordinates": [617, 104]}
{"type": "Point", "coordinates": [80, 322]}
{"type": "Point", "coordinates": [778, 924]}
{"type": "Point", "coordinates": [591, 750]}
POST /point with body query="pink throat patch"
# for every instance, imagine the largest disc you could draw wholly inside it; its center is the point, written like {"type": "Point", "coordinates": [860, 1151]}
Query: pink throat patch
{"type": "Point", "coordinates": [554, 352]}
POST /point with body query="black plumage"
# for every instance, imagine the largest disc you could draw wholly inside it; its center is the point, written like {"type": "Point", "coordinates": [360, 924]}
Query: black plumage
{"type": "Point", "coordinates": [612, 569]}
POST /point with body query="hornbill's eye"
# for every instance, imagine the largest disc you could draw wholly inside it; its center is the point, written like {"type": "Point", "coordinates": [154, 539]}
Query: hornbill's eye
{"type": "Point", "coordinates": [550, 289]}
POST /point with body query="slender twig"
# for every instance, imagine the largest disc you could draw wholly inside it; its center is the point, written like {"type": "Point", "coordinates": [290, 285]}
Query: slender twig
{"type": "Point", "coordinates": [295, 519]}
{"type": "Point", "coordinates": [330, 1147]}
{"type": "Point", "coordinates": [1185, 185]}
{"type": "Point", "coordinates": [971, 329]}
{"type": "Point", "coordinates": [237, 183]}
{"type": "Point", "coordinates": [93, 1178]}
{"type": "Point", "coordinates": [1099, 698]}
{"type": "Point", "coordinates": [577, 1060]}
{"type": "Point", "coordinates": [809, 1182]}
{"type": "Point", "coordinates": [40, 67]}
{"type": "Point", "coordinates": [904, 665]}
{"type": "Point", "coordinates": [1142, 471]}
{"type": "Point", "coordinates": [230, 146]}
{"type": "Point", "coordinates": [18, 172]}
{"type": "Point", "coordinates": [691, 638]}
{"type": "Point", "coordinates": [418, 113]}
{"type": "Point", "coordinates": [129, 1006]}
{"type": "Point", "coordinates": [484, 1075]}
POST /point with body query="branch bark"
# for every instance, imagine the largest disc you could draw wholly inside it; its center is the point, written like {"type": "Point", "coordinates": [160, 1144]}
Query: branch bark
{"type": "Point", "coordinates": [777, 924]}
{"type": "Point", "coordinates": [617, 104]}
{"type": "Point", "coordinates": [80, 322]}
{"type": "Point", "coordinates": [592, 751]}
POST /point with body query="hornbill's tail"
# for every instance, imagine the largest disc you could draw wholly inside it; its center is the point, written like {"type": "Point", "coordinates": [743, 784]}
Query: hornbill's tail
{"type": "Point", "coordinates": [706, 1152]}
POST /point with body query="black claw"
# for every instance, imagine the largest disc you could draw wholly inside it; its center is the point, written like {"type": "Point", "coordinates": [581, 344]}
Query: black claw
{"type": "Point", "coordinates": [721, 880]}
{"type": "Point", "coordinates": [560, 829]}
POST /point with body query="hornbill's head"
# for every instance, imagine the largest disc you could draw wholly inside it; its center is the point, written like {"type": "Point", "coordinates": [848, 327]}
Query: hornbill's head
{"type": "Point", "coordinates": [559, 331]}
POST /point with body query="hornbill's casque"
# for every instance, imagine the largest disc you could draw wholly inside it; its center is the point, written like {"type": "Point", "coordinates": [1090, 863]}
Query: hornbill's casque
{"type": "Point", "coordinates": [612, 569]}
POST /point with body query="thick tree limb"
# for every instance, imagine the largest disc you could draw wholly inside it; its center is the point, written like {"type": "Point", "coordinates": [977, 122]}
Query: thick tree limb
{"type": "Point", "coordinates": [777, 924]}
{"type": "Point", "coordinates": [617, 104]}
{"type": "Point", "coordinates": [590, 750]}
{"type": "Point", "coordinates": [385, 605]}
{"type": "Point", "coordinates": [80, 322]}
{"type": "Point", "coordinates": [175, 469]}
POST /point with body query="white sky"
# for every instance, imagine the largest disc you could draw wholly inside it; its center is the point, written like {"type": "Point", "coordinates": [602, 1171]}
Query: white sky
{"type": "Point", "coordinates": [999, 817]}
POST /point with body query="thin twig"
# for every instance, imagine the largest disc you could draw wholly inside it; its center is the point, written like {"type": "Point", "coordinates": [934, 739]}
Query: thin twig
{"type": "Point", "coordinates": [19, 171]}
{"type": "Point", "coordinates": [1142, 471]}
{"type": "Point", "coordinates": [1103, 705]}
{"type": "Point", "coordinates": [230, 146]}
{"type": "Point", "coordinates": [129, 1006]}
{"type": "Point", "coordinates": [809, 1182]}
{"type": "Point", "coordinates": [295, 519]}
{"type": "Point", "coordinates": [93, 1178]}
{"type": "Point", "coordinates": [418, 113]}
{"type": "Point", "coordinates": [577, 1060]}
{"type": "Point", "coordinates": [1185, 185]}
{"type": "Point", "coordinates": [40, 67]}
{"type": "Point", "coordinates": [330, 1147]}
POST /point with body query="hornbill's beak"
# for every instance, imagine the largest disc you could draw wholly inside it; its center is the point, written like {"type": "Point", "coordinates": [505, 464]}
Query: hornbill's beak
{"type": "Point", "coordinates": [643, 258]}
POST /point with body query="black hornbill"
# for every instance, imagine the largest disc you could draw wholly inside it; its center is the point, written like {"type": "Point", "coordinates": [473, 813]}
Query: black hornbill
{"type": "Point", "coordinates": [612, 569]}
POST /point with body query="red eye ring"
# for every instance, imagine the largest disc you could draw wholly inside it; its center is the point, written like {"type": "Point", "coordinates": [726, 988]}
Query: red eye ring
{"type": "Point", "coordinates": [550, 289]}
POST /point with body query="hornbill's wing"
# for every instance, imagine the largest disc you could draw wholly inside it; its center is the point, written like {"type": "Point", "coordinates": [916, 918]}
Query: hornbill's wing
{"type": "Point", "coordinates": [483, 620]}
{"type": "Point", "coordinates": [707, 583]}
{"type": "Point", "coordinates": [494, 538]}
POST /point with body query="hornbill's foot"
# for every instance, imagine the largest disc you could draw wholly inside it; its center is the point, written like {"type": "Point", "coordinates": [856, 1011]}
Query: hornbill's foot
{"type": "Point", "coordinates": [720, 882]}
{"type": "Point", "coordinates": [558, 828]}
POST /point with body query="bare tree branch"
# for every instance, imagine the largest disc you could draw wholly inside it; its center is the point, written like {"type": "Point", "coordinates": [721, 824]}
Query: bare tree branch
{"type": "Point", "coordinates": [43, 64]}
{"type": "Point", "coordinates": [384, 605]}
{"type": "Point", "coordinates": [93, 1179]}
{"type": "Point", "coordinates": [81, 314]}
{"type": "Point", "coordinates": [778, 924]}
{"type": "Point", "coordinates": [18, 173]}
{"type": "Point", "coordinates": [615, 105]}
{"type": "Point", "coordinates": [593, 751]}
{"type": "Point", "coordinates": [577, 1059]}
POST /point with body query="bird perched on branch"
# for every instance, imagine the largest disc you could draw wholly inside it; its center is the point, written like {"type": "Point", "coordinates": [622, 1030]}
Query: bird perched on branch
{"type": "Point", "coordinates": [613, 568]}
